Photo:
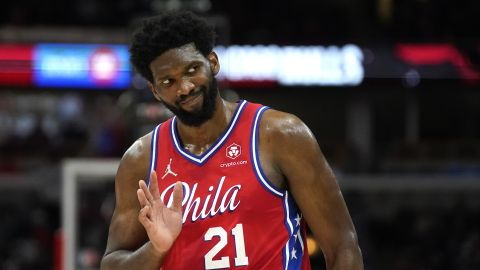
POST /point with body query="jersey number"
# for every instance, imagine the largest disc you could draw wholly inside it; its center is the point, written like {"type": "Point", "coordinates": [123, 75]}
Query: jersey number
{"type": "Point", "coordinates": [240, 260]}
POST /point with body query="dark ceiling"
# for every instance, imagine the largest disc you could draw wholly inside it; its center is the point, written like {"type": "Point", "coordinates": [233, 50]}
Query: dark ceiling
{"type": "Point", "coordinates": [273, 21]}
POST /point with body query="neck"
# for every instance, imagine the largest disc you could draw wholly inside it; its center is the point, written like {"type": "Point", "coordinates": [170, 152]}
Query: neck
{"type": "Point", "coordinates": [198, 139]}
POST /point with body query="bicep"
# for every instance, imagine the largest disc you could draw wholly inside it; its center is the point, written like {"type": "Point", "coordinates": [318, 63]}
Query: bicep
{"type": "Point", "coordinates": [314, 187]}
{"type": "Point", "coordinates": [126, 232]}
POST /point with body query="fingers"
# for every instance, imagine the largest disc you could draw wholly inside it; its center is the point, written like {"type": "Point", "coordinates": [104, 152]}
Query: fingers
{"type": "Point", "coordinates": [146, 190]}
{"type": "Point", "coordinates": [142, 198]}
{"type": "Point", "coordinates": [149, 195]}
{"type": "Point", "coordinates": [153, 187]}
{"type": "Point", "coordinates": [177, 196]}
{"type": "Point", "coordinates": [144, 217]}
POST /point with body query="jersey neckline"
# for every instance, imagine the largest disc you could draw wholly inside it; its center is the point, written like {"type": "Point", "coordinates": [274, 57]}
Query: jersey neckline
{"type": "Point", "coordinates": [201, 159]}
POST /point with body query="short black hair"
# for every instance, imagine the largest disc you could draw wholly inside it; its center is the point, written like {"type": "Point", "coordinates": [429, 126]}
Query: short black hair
{"type": "Point", "coordinates": [171, 30]}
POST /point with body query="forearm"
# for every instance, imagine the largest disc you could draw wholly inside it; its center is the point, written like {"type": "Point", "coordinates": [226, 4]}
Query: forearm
{"type": "Point", "coordinates": [347, 258]}
{"type": "Point", "coordinates": [144, 258]}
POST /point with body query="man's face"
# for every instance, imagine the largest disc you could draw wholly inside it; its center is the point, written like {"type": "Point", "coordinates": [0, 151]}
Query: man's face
{"type": "Point", "coordinates": [184, 81]}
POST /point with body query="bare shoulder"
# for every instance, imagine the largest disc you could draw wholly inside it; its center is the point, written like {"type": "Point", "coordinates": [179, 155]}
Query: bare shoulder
{"type": "Point", "coordinates": [133, 167]}
{"type": "Point", "coordinates": [284, 142]}
{"type": "Point", "coordinates": [280, 127]}
{"type": "Point", "coordinates": [290, 145]}
{"type": "Point", "coordinates": [139, 151]}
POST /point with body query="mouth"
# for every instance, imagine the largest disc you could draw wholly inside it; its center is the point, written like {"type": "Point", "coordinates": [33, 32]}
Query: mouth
{"type": "Point", "coordinates": [192, 99]}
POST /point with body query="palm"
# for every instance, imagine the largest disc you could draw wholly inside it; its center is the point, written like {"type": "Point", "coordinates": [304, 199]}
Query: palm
{"type": "Point", "coordinates": [167, 223]}
{"type": "Point", "coordinates": [162, 224]}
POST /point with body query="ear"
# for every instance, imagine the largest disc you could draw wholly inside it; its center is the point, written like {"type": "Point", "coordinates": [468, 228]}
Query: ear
{"type": "Point", "coordinates": [214, 63]}
{"type": "Point", "coordinates": [154, 91]}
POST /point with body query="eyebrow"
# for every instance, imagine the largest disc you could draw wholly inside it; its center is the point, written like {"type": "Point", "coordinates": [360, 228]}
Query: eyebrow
{"type": "Point", "coordinates": [186, 67]}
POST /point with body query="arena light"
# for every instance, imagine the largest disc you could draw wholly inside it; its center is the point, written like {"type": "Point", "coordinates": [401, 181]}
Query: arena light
{"type": "Point", "coordinates": [292, 65]}
{"type": "Point", "coordinates": [107, 66]}
{"type": "Point", "coordinates": [16, 64]}
{"type": "Point", "coordinates": [437, 55]}
{"type": "Point", "coordinates": [81, 66]}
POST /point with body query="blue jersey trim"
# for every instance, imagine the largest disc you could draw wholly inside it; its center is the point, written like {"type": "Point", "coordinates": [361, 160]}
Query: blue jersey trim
{"type": "Point", "coordinates": [295, 247]}
{"type": "Point", "coordinates": [199, 160]}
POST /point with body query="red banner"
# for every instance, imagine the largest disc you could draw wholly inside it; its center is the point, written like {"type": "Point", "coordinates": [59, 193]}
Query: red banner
{"type": "Point", "coordinates": [16, 65]}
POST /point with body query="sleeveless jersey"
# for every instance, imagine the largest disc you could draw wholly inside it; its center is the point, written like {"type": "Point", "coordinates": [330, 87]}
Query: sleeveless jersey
{"type": "Point", "coordinates": [233, 217]}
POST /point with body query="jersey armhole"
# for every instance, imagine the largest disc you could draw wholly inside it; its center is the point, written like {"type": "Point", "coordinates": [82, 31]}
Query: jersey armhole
{"type": "Point", "coordinates": [153, 154]}
{"type": "Point", "coordinates": [256, 159]}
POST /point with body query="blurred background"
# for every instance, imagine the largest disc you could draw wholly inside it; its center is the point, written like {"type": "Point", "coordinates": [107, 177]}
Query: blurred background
{"type": "Point", "coordinates": [391, 90]}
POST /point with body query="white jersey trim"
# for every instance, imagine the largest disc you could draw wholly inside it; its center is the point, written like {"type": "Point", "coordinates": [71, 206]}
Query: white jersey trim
{"type": "Point", "coordinates": [256, 163]}
{"type": "Point", "coordinates": [214, 148]}
{"type": "Point", "coordinates": [153, 153]}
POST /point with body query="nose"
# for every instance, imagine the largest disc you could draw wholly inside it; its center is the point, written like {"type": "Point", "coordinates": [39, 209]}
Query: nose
{"type": "Point", "coordinates": [185, 87]}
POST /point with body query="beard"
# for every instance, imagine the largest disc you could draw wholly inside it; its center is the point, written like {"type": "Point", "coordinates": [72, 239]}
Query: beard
{"type": "Point", "coordinates": [197, 117]}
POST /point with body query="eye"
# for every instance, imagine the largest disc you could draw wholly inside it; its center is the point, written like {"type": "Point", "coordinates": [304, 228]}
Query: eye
{"type": "Point", "coordinates": [166, 82]}
{"type": "Point", "coordinates": [192, 69]}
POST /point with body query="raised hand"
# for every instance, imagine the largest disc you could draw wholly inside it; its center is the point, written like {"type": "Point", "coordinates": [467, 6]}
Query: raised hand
{"type": "Point", "coordinates": [162, 224]}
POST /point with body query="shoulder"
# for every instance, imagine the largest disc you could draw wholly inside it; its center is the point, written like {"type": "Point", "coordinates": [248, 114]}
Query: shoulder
{"type": "Point", "coordinates": [133, 167]}
{"type": "Point", "coordinates": [283, 127]}
{"type": "Point", "coordinates": [139, 151]}
{"type": "Point", "coordinates": [135, 162]}
{"type": "Point", "coordinates": [287, 140]}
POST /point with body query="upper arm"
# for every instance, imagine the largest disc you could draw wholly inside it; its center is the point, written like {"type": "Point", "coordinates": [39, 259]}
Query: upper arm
{"type": "Point", "coordinates": [297, 155]}
{"type": "Point", "coordinates": [126, 232]}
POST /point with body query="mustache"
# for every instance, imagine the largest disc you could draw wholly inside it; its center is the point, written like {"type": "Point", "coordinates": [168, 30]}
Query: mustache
{"type": "Point", "coordinates": [194, 93]}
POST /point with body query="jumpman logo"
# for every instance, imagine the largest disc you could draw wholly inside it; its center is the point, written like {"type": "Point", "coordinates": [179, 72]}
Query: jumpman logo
{"type": "Point", "coordinates": [168, 170]}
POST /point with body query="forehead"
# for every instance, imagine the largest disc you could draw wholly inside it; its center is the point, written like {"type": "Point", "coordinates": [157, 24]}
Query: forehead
{"type": "Point", "coordinates": [175, 58]}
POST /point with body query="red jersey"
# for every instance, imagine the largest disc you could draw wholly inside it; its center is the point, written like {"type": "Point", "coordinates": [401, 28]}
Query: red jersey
{"type": "Point", "coordinates": [233, 217]}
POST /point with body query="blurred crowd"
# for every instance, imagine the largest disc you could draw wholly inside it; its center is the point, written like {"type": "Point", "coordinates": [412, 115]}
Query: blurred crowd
{"type": "Point", "coordinates": [40, 130]}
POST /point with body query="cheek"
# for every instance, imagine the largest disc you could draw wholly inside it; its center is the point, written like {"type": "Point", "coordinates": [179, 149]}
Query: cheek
{"type": "Point", "coordinates": [161, 94]}
{"type": "Point", "coordinates": [204, 80]}
{"type": "Point", "coordinates": [203, 76]}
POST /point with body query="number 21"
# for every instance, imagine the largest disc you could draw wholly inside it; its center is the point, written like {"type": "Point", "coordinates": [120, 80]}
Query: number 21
{"type": "Point", "coordinates": [240, 260]}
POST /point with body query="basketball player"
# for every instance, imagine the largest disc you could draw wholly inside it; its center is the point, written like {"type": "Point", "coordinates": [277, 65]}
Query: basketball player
{"type": "Point", "coordinates": [228, 185]}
